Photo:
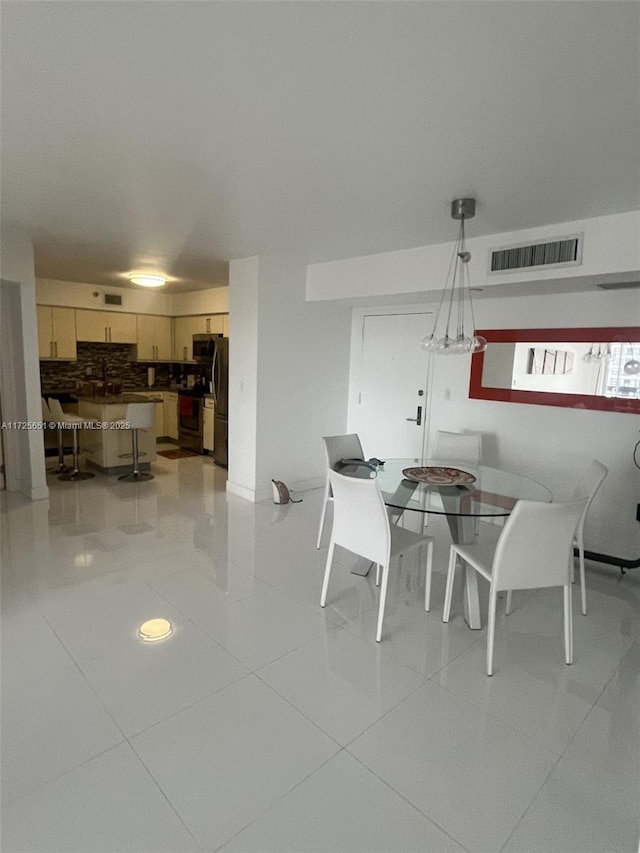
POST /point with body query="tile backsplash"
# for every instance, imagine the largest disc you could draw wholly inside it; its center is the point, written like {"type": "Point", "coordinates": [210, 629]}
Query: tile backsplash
{"type": "Point", "coordinates": [58, 376]}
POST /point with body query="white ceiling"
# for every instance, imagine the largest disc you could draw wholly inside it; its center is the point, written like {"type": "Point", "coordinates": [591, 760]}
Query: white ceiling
{"type": "Point", "coordinates": [177, 136]}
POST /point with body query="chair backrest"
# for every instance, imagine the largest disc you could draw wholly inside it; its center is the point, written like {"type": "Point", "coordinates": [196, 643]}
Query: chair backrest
{"type": "Point", "coordinates": [587, 487]}
{"type": "Point", "coordinates": [360, 522]}
{"type": "Point", "coordinates": [337, 447]}
{"type": "Point", "coordinates": [457, 447]}
{"type": "Point", "coordinates": [141, 415]}
{"type": "Point", "coordinates": [47, 415]}
{"type": "Point", "coordinates": [536, 544]}
{"type": "Point", "coordinates": [56, 410]}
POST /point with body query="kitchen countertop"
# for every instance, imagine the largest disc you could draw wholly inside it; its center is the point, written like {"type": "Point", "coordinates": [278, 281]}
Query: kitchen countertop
{"type": "Point", "coordinates": [117, 399]}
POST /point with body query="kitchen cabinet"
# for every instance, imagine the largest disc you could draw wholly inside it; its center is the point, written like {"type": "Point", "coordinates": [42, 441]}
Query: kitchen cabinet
{"type": "Point", "coordinates": [109, 327]}
{"type": "Point", "coordinates": [56, 333]}
{"type": "Point", "coordinates": [171, 415]}
{"type": "Point", "coordinates": [208, 418]}
{"type": "Point", "coordinates": [185, 328]}
{"type": "Point", "coordinates": [154, 338]}
{"type": "Point", "coordinates": [225, 325]}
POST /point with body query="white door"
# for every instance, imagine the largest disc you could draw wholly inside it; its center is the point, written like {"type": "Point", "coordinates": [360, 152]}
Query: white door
{"type": "Point", "coordinates": [391, 402]}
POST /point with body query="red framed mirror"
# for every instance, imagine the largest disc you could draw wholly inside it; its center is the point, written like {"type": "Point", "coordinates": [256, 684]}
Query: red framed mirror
{"type": "Point", "coordinates": [585, 368]}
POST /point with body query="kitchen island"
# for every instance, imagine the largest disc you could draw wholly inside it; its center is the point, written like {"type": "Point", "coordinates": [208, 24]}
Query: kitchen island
{"type": "Point", "coordinates": [104, 447]}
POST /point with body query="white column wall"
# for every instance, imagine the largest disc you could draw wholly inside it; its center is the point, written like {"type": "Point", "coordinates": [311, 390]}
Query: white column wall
{"type": "Point", "coordinates": [243, 376]}
{"type": "Point", "coordinates": [19, 370]}
{"type": "Point", "coordinates": [301, 364]}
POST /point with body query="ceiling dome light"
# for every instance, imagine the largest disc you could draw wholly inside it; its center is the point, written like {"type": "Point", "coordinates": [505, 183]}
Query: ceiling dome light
{"type": "Point", "coordinates": [155, 629]}
{"type": "Point", "coordinates": [148, 280]}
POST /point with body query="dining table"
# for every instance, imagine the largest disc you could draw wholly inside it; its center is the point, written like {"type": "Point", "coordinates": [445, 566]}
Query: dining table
{"type": "Point", "coordinates": [479, 492]}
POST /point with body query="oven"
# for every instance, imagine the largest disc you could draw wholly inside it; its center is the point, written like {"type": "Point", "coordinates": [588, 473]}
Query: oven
{"type": "Point", "coordinates": [190, 420]}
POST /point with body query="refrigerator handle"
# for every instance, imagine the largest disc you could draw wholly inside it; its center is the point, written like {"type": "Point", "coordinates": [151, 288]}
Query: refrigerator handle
{"type": "Point", "coordinates": [214, 376]}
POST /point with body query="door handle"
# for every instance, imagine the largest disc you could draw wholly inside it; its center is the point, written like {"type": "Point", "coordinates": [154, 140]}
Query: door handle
{"type": "Point", "coordinates": [418, 418]}
{"type": "Point", "coordinates": [50, 349]}
{"type": "Point", "coordinates": [56, 346]}
{"type": "Point", "coordinates": [106, 335]}
{"type": "Point", "coordinates": [184, 353]}
{"type": "Point", "coordinates": [208, 324]}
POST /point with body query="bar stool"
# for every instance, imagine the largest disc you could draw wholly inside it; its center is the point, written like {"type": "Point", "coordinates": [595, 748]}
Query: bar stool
{"type": "Point", "coordinates": [138, 416]}
{"type": "Point", "coordinates": [48, 418]}
{"type": "Point", "coordinates": [75, 422]}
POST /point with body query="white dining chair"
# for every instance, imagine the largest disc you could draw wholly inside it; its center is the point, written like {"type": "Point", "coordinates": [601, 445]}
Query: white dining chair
{"type": "Point", "coordinates": [586, 490]}
{"type": "Point", "coordinates": [337, 447]}
{"type": "Point", "coordinates": [534, 550]}
{"type": "Point", "coordinates": [461, 448]}
{"type": "Point", "coordinates": [74, 423]}
{"type": "Point", "coordinates": [137, 416]}
{"type": "Point", "coordinates": [361, 525]}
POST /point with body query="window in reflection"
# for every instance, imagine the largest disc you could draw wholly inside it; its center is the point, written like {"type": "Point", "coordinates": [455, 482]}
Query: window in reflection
{"type": "Point", "coordinates": [604, 370]}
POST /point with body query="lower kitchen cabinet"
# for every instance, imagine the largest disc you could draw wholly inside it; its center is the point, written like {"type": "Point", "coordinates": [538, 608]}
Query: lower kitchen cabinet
{"type": "Point", "coordinates": [208, 418]}
{"type": "Point", "coordinates": [171, 415]}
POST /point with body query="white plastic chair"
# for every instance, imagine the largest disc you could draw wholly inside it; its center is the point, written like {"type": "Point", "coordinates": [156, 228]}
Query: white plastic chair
{"type": "Point", "coordinates": [458, 448]}
{"type": "Point", "coordinates": [534, 550]}
{"type": "Point", "coordinates": [462, 448]}
{"type": "Point", "coordinates": [361, 525]}
{"type": "Point", "coordinates": [137, 416]}
{"type": "Point", "coordinates": [586, 490]}
{"type": "Point", "coordinates": [337, 447]}
{"type": "Point", "coordinates": [74, 422]}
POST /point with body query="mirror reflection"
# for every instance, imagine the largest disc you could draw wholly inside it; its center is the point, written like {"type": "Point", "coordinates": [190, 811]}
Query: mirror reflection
{"type": "Point", "coordinates": [600, 369]}
{"type": "Point", "coordinates": [582, 368]}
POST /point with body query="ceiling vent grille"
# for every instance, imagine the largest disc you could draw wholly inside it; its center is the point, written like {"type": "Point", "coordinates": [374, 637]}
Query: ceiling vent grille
{"type": "Point", "coordinates": [112, 299]}
{"type": "Point", "coordinates": [564, 252]}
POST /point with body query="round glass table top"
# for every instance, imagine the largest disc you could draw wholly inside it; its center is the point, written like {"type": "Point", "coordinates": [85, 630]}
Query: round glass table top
{"type": "Point", "coordinates": [493, 492]}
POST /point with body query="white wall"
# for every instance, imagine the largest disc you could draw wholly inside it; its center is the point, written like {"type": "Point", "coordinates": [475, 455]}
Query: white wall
{"type": "Point", "coordinates": [243, 376]}
{"type": "Point", "coordinates": [214, 300]}
{"type": "Point", "coordinates": [611, 249]}
{"type": "Point", "coordinates": [548, 443]}
{"type": "Point", "coordinates": [19, 367]}
{"type": "Point", "coordinates": [73, 295]}
{"type": "Point", "coordinates": [301, 363]}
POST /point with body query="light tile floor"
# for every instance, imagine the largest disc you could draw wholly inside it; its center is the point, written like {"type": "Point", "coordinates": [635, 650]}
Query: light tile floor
{"type": "Point", "coordinates": [265, 723]}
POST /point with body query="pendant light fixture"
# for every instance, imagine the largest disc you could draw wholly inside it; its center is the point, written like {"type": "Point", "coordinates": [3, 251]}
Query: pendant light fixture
{"type": "Point", "coordinates": [454, 328]}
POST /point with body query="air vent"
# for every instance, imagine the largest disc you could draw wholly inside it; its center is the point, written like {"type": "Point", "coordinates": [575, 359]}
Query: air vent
{"type": "Point", "coordinates": [619, 285]}
{"type": "Point", "coordinates": [112, 299]}
{"type": "Point", "coordinates": [567, 251]}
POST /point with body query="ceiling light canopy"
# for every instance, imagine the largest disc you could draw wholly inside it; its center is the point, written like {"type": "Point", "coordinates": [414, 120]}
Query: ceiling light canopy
{"type": "Point", "coordinates": [454, 326]}
{"type": "Point", "coordinates": [144, 280]}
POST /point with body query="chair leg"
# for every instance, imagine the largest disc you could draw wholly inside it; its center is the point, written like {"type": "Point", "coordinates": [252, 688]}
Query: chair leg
{"type": "Point", "coordinates": [383, 598]}
{"type": "Point", "coordinates": [491, 629]}
{"type": "Point", "coordinates": [583, 588]}
{"type": "Point", "coordinates": [327, 573]}
{"type": "Point", "coordinates": [428, 574]}
{"type": "Point", "coordinates": [378, 567]}
{"type": "Point", "coordinates": [568, 625]}
{"type": "Point", "coordinates": [453, 560]}
{"type": "Point", "coordinates": [322, 517]}
{"type": "Point", "coordinates": [507, 608]}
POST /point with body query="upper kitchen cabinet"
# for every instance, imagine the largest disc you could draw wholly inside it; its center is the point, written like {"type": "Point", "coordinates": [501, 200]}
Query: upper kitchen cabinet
{"type": "Point", "coordinates": [186, 327]}
{"type": "Point", "coordinates": [154, 338]}
{"type": "Point", "coordinates": [225, 325]}
{"type": "Point", "coordinates": [56, 333]}
{"type": "Point", "coordinates": [106, 327]}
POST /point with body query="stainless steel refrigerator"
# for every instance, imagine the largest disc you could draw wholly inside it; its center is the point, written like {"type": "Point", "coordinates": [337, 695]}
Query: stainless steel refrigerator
{"type": "Point", "coordinates": [220, 389]}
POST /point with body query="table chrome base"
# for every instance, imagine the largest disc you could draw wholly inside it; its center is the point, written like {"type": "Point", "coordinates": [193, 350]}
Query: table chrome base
{"type": "Point", "coordinates": [463, 531]}
{"type": "Point", "coordinates": [136, 477]}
